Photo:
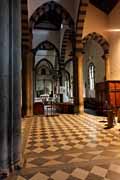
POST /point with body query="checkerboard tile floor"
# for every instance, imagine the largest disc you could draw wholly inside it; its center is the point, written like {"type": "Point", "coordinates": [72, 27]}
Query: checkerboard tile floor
{"type": "Point", "coordinates": [70, 147]}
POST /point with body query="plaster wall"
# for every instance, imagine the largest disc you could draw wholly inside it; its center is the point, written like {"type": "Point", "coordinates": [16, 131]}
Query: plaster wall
{"type": "Point", "coordinates": [95, 21]}
{"type": "Point", "coordinates": [114, 23]}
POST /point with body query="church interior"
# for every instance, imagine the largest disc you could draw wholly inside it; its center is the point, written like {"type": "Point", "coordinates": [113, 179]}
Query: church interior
{"type": "Point", "coordinates": [60, 90]}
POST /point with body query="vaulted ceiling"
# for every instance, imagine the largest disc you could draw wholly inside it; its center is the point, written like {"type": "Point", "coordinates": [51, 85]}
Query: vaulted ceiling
{"type": "Point", "coordinates": [104, 5]}
{"type": "Point", "coordinates": [50, 16]}
{"type": "Point", "coordinates": [49, 20]}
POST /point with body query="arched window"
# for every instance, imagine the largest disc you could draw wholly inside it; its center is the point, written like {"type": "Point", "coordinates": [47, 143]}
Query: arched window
{"type": "Point", "coordinates": [91, 71]}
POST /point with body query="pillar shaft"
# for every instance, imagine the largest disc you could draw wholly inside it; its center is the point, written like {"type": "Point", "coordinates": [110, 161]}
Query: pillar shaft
{"type": "Point", "coordinates": [75, 85]}
{"type": "Point", "coordinates": [27, 85]}
{"type": "Point", "coordinates": [15, 81]}
{"type": "Point", "coordinates": [78, 92]}
{"type": "Point", "coordinates": [61, 84]}
{"type": "Point", "coordinates": [80, 83]}
{"type": "Point", "coordinates": [4, 83]}
{"type": "Point", "coordinates": [10, 82]}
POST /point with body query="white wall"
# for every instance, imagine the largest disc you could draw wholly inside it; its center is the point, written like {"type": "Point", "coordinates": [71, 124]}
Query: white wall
{"type": "Point", "coordinates": [34, 4]}
{"type": "Point", "coordinates": [114, 23]}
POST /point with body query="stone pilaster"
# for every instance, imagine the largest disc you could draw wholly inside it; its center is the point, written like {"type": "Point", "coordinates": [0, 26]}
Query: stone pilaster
{"type": "Point", "coordinates": [107, 67]}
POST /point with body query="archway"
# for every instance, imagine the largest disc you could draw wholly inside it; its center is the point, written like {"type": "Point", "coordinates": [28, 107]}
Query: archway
{"type": "Point", "coordinates": [48, 53]}
{"type": "Point", "coordinates": [68, 52]}
{"type": "Point", "coordinates": [67, 49]}
{"type": "Point", "coordinates": [43, 78]}
{"type": "Point", "coordinates": [99, 39]}
{"type": "Point", "coordinates": [96, 49]}
{"type": "Point", "coordinates": [48, 46]}
{"type": "Point", "coordinates": [51, 8]}
{"type": "Point", "coordinates": [54, 20]}
{"type": "Point", "coordinates": [80, 23]}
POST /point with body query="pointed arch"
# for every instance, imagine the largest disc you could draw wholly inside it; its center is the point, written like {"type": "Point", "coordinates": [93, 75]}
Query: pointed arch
{"type": "Point", "coordinates": [44, 60]}
{"type": "Point", "coordinates": [80, 23]}
{"type": "Point", "coordinates": [26, 38]}
{"type": "Point", "coordinates": [99, 39]}
{"type": "Point", "coordinates": [68, 61]}
{"type": "Point", "coordinates": [51, 6]}
{"type": "Point", "coordinates": [67, 38]}
{"type": "Point", "coordinates": [46, 45]}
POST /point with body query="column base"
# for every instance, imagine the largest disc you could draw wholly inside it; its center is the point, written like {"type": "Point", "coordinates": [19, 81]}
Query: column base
{"type": "Point", "coordinates": [28, 116]}
{"type": "Point", "coordinates": [76, 109]}
{"type": "Point", "coordinates": [79, 109]}
{"type": "Point", "coordinates": [29, 113]}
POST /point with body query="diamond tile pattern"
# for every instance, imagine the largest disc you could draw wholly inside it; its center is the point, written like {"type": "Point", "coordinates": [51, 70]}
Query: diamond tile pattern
{"type": "Point", "coordinates": [99, 171]}
{"type": "Point", "coordinates": [70, 147]}
{"type": "Point", "coordinates": [80, 173]}
{"type": "Point", "coordinates": [60, 175]}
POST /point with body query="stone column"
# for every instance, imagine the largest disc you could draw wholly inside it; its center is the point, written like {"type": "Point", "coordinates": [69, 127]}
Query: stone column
{"type": "Point", "coordinates": [4, 84]}
{"type": "Point", "coordinates": [24, 99]}
{"type": "Point", "coordinates": [107, 67]}
{"type": "Point", "coordinates": [79, 100]}
{"type": "Point", "coordinates": [61, 83]}
{"type": "Point", "coordinates": [10, 82]}
{"type": "Point", "coordinates": [27, 84]}
{"type": "Point", "coordinates": [34, 85]}
{"type": "Point", "coordinates": [75, 85]}
{"type": "Point", "coordinates": [15, 83]}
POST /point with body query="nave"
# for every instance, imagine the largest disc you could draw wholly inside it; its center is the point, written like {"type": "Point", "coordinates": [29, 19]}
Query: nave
{"type": "Point", "coordinates": [69, 147]}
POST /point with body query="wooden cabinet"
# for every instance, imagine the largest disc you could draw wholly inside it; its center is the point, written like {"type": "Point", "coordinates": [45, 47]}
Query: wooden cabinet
{"type": "Point", "coordinates": [38, 108]}
{"type": "Point", "coordinates": [110, 91]}
{"type": "Point", "coordinates": [65, 108]}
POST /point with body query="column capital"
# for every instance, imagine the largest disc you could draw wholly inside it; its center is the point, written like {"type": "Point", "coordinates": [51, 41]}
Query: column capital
{"type": "Point", "coordinates": [106, 56]}
{"type": "Point", "coordinates": [79, 53]}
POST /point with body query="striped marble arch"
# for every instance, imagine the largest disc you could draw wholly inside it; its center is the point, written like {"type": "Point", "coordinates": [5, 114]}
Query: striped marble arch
{"type": "Point", "coordinates": [68, 38]}
{"type": "Point", "coordinates": [99, 39]}
{"type": "Point", "coordinates": [48, 7]}
{"type": "Point", "coordinates": [80, 23]}
{"type": "Point", "coordinates": [26, 38]}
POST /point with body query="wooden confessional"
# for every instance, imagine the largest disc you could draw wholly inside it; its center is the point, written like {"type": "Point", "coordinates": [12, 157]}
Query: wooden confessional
{"type": "Point", "coordinates": [110, 91]}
